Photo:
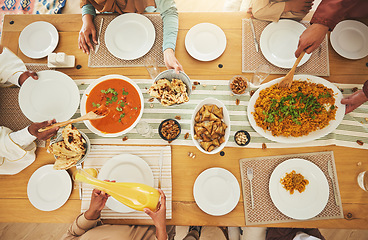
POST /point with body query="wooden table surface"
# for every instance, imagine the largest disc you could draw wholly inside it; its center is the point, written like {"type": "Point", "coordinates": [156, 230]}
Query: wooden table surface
{"type": "Point", "coordinates": [15, 206]}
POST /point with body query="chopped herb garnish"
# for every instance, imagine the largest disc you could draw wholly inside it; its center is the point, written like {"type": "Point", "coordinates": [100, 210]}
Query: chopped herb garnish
{"type": "Point", "coordinates": [119, 109]}
{"type": "Point", "coordinates": [96, 104]}
{"type": "Point", "coordinates": [124, 92]}
{"type": "Point", "coordinates": [135, 108]}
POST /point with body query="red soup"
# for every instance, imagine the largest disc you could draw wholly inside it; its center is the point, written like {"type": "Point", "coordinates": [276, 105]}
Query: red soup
{"type": "Point", "coordinates": [123, 101]}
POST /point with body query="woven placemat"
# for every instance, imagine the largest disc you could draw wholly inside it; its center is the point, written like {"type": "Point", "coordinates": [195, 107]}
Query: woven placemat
{"type": "Point", "coordinates": [103, 58]}
{"type": "Point", "coordinates": [265, 212]}
{"type": "Point", "coordinates": [317, 64]}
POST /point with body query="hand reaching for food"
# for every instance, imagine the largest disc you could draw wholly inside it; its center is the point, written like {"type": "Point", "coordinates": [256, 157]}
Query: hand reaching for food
{"type": "Point", "coordinates": [170, 60]}
{"type": "Point", "coordinates": [87, 32]}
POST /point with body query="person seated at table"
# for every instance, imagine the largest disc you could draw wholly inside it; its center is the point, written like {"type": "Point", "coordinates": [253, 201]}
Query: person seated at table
{"type": "Point", "coordinates": [16, 145]}
{"type": "Point", "coordinates": [273, 10]}
{"type": "Point", "coordinates": [89, 226]}
{"type": "Point", "coordinates": [356, 99]}
{"type": "Point", "coordinates": [166, 8]}
{"type": "Point", "coordinates": [328, 14]}
{"type": "Point", "coordinates": [293, 234]}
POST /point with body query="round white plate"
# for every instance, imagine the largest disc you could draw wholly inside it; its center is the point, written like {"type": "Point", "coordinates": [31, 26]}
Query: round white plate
{"type": "Point", "coordinates": [38, 39]}
{"type": "Point", "coordinates": [303, 205]}
{"type": "Point", "coordinates": [216, 191]}
{"type": "Point", "coordinates": [279, 41]}
{"type": "Point", "coordinates": [125, 168]}
{"type": "Point", "coordinates": [340, 113]}
{"type": "Point", "coordinates": [130, 36]}
{"type": "Point", "coordinates": [53, 95]}
{"type": "Point", "coordinates": [84, 100]}
{"type": "Point", "coordinates": [49, 189]}
{"type": "Point", "coordinates": [226, 119]}
{"type": "Point", "coordinates": [205, 42]}
{"type": "Point", "coordinates": [350, 39]}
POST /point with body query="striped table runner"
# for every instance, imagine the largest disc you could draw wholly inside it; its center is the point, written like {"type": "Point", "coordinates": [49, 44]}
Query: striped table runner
{"type": "Point", "coordinates": [101, 153]}
{"type": "Point", "coordinates": [353, 127]}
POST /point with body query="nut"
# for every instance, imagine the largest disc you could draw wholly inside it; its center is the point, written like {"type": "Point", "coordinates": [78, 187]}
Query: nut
{"type": "Point", "coordinates": [196, 83]}
{"type": "Point", "coordinates": [360, 142]}
{"type": "Point", "coordinates": [366, 119]}
{"type": "Point", "coordinates": [204, 85]}
{"type": "Point", "coordinates": [214, 87]}
{"type": "Point", "coordinates": [264, 146]}
{"type": "Point", "coordinates": [251, 92]}
{"type": "Point", "coordinates": [170, 130]}
{"type": "Point", "coordinates": [241, 138]}
{"type": "Point", "coordinates": [341, 90]}
{"type": "Point", "coordinates": [354, 89]}
{"type": "Point", "coordinates": [125, 138]}
{"type": "Point", "coordinates": [237, 101]}
{"type": "Point", "coordinates": [82, 83]}
{"type": "Point", "coordinates": [194, 88]}
{"type": "Point", "coordinates": [238, 85]}
{"type": "Point", "coordinates": [186, 136]}
{"type": "Point", "coordinates": [359, 163]}
{"type": "Point", "coordinates": [178, 117]}
{"type": "Point", "coordinates": [192, 155]}
{"type": "Point", "coordinates": [151, 105]}
{"type": "Point", "coordinates": [231, 95]}
{"type": "Point", "coordinates": [151, 99]}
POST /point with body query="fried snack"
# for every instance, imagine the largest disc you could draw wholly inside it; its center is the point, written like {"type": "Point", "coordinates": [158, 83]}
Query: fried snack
{"type": "Point", "coordinates": [70, 150]}
{"type": "Point", "coordinates": [169, 92]}
{"type": "Point", "coordinates": [238, 85]}
{"type": "Point", "coordinates": [209, 128]}
{"type": "Point", "coordinates": [170, 130]}
{"type": "Point", "coordinates": [294, 181]}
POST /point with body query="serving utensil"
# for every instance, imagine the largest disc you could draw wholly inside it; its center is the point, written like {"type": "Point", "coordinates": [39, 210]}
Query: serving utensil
{"type": "Point", "coordinates": [286, 81]}
{"type": "Point", "coordinates": [98, 113]}
{"type": "Point", "coordinates": [250, 177]}
{"type": "Point", "coordinates": [330, 174]}
{"type": "Point", "coordinates": [254, 34]}
{"type": "Point", "coordinates": [98, 37]}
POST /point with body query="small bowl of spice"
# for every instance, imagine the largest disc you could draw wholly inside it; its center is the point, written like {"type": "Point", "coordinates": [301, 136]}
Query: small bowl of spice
{"type": "Point", "coordinates": [169, 129]}
{"type": "Point", "coordinates": [242, 138]}
{"type": "Point", "coordinates": [238, 85]}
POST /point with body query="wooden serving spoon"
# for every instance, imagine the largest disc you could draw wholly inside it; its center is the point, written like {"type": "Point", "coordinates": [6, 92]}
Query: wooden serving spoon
{"type": "Point", "coordinates": [286, 81]}
{"type": "Point", "coordinates": [98, 113]}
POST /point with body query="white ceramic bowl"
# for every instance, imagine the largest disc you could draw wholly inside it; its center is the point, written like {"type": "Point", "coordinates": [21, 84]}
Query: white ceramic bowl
{"type": "Point", "coordinates": [226, 119]}
{"type": "Point", "coordinates": [170, 74]}
{"type": "Point", "coordinates": [95, 83]}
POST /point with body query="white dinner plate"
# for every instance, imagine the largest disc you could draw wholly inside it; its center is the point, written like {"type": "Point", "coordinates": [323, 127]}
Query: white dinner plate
{"type": "Point", "coordinates": [350, 39]}
{"type": "Point", "coordinates": [130, 36]}
{"type": "Point", "coordinates": [205, 41]}
{"type": "Point", "coordinates": [38, 39]}
{"type": "Point", "coordinates": [279, 41]}
{"type": "Point", "coordinates": [49, 189]}
{"type": "Point", "coordinates": [125, 168]}
{"type": "Point", "coordinates": [340, 113]}
{"type": "Point", "coordinates": [53, 95]}
{"type": "Point", "coordinates": [226, 120]}
{"type": "Point", "coordinates": [302, 205]}
{"type": "Point", "coordinates": [216, 191]}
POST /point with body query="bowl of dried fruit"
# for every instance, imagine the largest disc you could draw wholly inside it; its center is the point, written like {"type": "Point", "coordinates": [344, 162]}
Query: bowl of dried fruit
{"type": "Point", "coordinates": [239, 85]}
{"type": "Point", "coordinates": [242, 138]}
{"type": "Point", "coordinates": [169, 129]}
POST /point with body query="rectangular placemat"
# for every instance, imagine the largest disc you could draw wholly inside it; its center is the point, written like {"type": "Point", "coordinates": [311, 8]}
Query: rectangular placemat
{"type": "Point", "coordinates": [265, 212]}
{"type": "Point", "coordinates": [103, 58]}
{"type": "Point", "coordinates": [100, 154]}
{"type": "Point", "coordinates": [317, 64]}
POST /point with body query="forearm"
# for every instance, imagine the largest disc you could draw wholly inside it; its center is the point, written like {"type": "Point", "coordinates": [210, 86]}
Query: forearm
{"type": "Point", "coordinates": [169, 14]}
{"type": "Point", "coordinates": [80, 225]}
{"type": "Point", "coordinates": [161, 233]}
{"type": "Point", "coordinates": [22, 137]}
{"type": "Point", "coordinates": [11, 67]}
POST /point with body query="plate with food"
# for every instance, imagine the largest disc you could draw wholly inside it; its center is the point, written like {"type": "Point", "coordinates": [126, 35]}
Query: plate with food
{"type": "Point", "coordinates": [299, 189]}
{"type": "Point", "coordinates": [125, 168]}
{"type": "Point", "coordinates": [130, 36]}
{"type": "Point", "coordinates": [70, 148]}
{"type": "Point", "coordinates": [171, 88]}
{"type": "Point", "coordinates": [279, 41]}
{"type": "Point", "coordinates": [121, 96]}
{"type": "Point", "coordinates": [310, 109]}
{"type": "Point", "coordinates": [210, 126]}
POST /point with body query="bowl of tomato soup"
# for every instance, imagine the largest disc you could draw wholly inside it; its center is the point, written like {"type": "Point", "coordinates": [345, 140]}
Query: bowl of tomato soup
{"type": "Point", "coordinates": [121, 96]}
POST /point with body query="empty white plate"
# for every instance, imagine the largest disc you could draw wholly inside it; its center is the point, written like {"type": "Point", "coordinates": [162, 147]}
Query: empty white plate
{"type": "Point", "coordinates": [125, 168]}
{"type": "Point", "coordinates": [49, 189]}
{"type": "Point", "coordinates": [38, 39]}
{"type": "Point", "coordinates": [216, 191]}
{"type": "Point", "coordinates": [205, 41]}
{"type": "Point", "coordinates": [350, 39]}
{"type": "Point", "coordinates": [279, 41]}
{"type": "Point", "coordinates": [130, 36]}
{"type": "Point", "coordinates": [53, 95]}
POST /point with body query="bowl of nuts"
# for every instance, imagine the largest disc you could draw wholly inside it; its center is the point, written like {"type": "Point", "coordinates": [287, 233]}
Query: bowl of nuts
{"type": "Point", "coordinates": [242, 138]}
{"type": "Point", "coordinates": [169, 129]}
{"type": "Point", "coordinates": [239, 85]}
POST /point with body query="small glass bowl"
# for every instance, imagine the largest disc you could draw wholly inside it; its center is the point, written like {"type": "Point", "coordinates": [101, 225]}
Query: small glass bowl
{"type": "Point", "coordinates": [239, 85]}
{"type": "Point", "coordinates": [161, 126]}
{"type": "Point", "coordinates": [242, 134]}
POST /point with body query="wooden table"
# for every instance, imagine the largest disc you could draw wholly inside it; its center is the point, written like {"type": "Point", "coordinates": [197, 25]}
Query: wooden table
{"type": "Point", "coordinates": [14, 204]}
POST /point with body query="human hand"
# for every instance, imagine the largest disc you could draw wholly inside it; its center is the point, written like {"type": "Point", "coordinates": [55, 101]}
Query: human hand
{"type": "Point", "coordinates": [24, 76]}
{"type": "Point", "coordinates": [87, 31]}
{"type": "Point", "coordinates": [298, 6]}
{"type": "Point", "coordinates": [170, 60]}
{"type": "Point", "coordinates": [354, 101]}
{"type": "Point", "coordinates": [159, 217]}
{"type": "Point", "coordinates": [98, 201]}
{"type": "Point", "coordinates": [311, 38]}
{"type": "Point", "coordinates": [34, 127]}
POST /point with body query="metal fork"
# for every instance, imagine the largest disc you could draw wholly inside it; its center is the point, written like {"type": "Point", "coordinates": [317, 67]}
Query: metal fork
{"type": "Point", "coordinates": [250, 177]}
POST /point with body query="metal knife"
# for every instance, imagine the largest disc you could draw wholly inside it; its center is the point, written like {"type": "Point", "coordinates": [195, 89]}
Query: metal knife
{"type": "Point", "coordinates": [79, 166]}
{"type": "Point", "coordinates": [330, 173]}
{"type": "Point", "coordinates": [99, 36]}
{"type": "Point", "coordinates": [254, 34]}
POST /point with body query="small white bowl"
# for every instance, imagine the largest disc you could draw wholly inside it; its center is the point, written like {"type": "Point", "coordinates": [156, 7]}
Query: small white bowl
{"type": "Point", "coordinates": [226, 119]}
{"type": "Point", "coordinates": [170, 74]}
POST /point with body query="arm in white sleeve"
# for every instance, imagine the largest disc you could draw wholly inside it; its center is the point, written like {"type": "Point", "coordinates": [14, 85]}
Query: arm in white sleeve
{"type": "Point", "coordinates": [11, 67]}
{"type": "Point", "coordinates": [22, 137]}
